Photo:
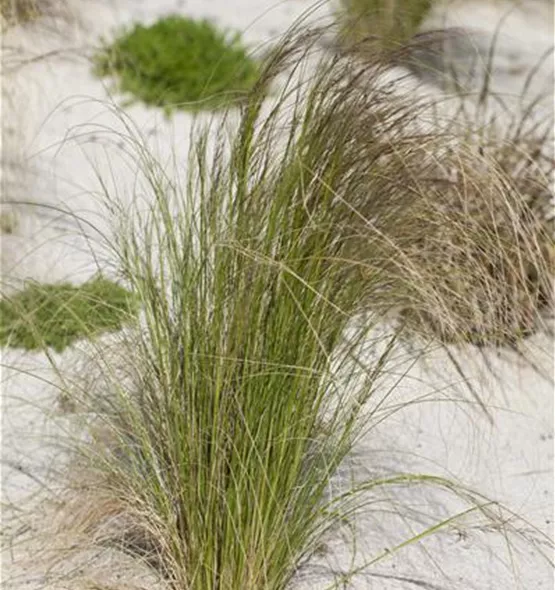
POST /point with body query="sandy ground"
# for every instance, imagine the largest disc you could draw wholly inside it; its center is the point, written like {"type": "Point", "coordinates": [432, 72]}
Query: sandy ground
{"type": "Point", "coordinates": [58, 134]}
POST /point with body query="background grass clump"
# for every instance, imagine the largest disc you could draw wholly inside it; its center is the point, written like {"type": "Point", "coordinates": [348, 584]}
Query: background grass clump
{"type": "Point", "coordinates": [56, 315]}
{"type": "Point", "coordinates": [179, 62]}
{"type": "Point", "coordinates": [16, 12]}
{"type": "Point", "coordinates": [384, 23]}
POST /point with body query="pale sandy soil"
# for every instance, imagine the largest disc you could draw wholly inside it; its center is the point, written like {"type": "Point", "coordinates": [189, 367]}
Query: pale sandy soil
{"type": "Point", "coordinates": [58, 132]}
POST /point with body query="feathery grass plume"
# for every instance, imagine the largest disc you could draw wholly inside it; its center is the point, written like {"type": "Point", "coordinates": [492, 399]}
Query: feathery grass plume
{"type": "Point", "coordinates": [212, 456]}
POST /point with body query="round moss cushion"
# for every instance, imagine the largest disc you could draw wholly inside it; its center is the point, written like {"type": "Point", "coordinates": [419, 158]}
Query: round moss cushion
{"type": "Point", "coordinates": [179, 63]}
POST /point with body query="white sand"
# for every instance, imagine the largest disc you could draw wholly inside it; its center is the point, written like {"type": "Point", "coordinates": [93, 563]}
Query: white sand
{"type": "Point", "coordinates": [55, 122]}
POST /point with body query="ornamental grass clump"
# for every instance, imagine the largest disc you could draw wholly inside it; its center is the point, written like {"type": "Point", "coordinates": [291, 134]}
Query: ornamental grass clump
{"type": "Point", "coordinates": [494, 213]}
{"type": "Point", "coordinates": [259, 279]}
{"type": "Point", "coordinates": [179, 62]}
{"type": "Point", "coordinates": [213, 458]}
{"type": "Point", "coordinates": [486, 260]}
{"type": "Point", "coordinates": [384, 24]}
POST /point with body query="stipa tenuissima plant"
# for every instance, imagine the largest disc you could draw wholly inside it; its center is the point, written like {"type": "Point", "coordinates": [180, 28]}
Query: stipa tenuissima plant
{"type": "Point", "coordinates": [212, 456]}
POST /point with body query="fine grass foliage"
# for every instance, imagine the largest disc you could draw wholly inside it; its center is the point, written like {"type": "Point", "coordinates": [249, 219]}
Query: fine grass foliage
{"type": "Point", "coordinates": [486, 259]}
{"type": "Point", "coordinates": [55, 315]}
{"type": "Point", "coordinates": [259, 279]}
{"type": "Point", "coordinates": [178, 62]}
{"type": "Point", "coordinates": [384, 24]}
{"type": "Point", "coordinates": [214, 460]}
{"type": "Point", "coordinates": [514, 224]}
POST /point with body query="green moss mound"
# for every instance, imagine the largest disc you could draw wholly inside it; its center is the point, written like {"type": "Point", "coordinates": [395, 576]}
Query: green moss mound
{"type": "Point", "coordinates": [58, 314]}
{"type": "Point", "coordinates": [179, 63]}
